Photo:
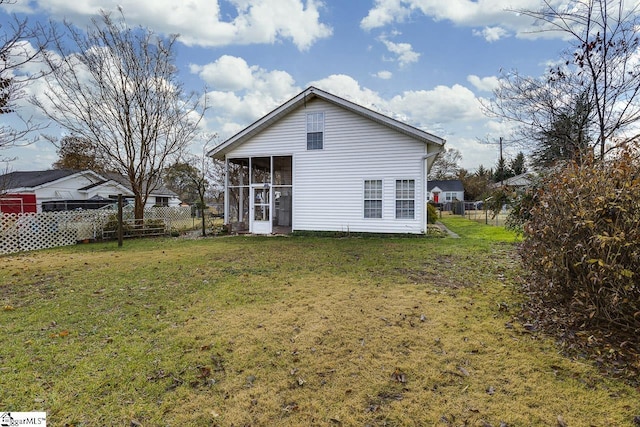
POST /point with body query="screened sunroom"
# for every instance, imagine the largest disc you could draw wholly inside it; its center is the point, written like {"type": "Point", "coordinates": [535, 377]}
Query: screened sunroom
{"type": "Point", "coordinates": [259, 194]}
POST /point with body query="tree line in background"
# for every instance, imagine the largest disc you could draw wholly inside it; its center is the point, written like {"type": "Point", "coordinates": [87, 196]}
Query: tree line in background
{"type": "Point", "coordinates": [477, 184]}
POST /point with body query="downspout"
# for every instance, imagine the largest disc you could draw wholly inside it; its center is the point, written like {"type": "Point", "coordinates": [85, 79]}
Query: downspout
{"type": "Point", "coordinates": [424, 198]}
{"type": "Point", "coordinates": [226, 190]}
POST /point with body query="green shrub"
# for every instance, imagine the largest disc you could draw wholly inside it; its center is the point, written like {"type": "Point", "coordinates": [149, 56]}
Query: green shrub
{"type": "Point", "coordinates": [582, 245]}
{"type": "Point", "coordinates": [432, 214]}
{"type": "Point", "coordinates": [520, 209]}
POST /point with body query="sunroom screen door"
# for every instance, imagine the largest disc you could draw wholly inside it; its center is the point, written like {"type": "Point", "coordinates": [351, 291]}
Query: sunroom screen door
{"type": "Point", "coordinates": [260, 210]}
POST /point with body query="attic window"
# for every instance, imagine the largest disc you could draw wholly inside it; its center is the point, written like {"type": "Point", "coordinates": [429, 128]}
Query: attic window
{"type": "Point", "coordinates": [315, 131]}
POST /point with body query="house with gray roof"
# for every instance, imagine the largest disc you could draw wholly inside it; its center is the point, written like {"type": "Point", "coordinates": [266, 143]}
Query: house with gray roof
{"type": "Point", "coordinates": [445, 191]}
{"type": "Point", "coordinates": [68, 189]}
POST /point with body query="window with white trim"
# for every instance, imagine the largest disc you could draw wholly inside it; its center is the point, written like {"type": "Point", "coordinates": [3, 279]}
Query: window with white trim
{"type": "Point", "coordinates": [162, 201]}
{"type": "Point", "coordinates": [450, 196]}
{"type": "Point", "coordinates": [315, 131]}
{"type": "Point", "coordinates": [405, 199]}
{"type": "Point", "coordinates": [373, 198]}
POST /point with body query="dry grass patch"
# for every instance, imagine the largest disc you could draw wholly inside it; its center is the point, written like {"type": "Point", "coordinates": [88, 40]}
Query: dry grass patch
{"type": "Point", "coordinates": [286, 331]}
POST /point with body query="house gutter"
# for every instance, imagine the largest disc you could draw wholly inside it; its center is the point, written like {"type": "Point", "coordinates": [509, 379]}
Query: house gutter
{"type": "Point", "coordinates": [424, 184]}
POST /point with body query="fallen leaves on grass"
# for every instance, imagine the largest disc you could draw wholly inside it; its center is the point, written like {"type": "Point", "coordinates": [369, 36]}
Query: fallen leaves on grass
{"type": "Point", "coordinates": [399, 376]}
{"type": "Point", "coordinates": [290, 407]}
{"type": "Point", "coordinates": [60, 334]}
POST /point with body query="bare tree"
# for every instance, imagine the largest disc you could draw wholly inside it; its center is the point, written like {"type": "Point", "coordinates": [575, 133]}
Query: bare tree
{"type": "Point", "coordinates": [600, 70]}
{"type": "Point", "coordinates": [194, 178]}
{"type": "Point", "coordinates": [20, 44]}
{"type": "Point", "coordinates": [446, 166]}
{"type": "Point", "coordinates": [118, 87]}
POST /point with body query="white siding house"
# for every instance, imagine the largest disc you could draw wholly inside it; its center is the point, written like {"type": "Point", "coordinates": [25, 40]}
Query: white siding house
{"type": "Point", "coordinates": [447, 191]}
{"type": "Point", "coordinates": [60, 189]}
{"type": "Point", "coordinates": [322, 163]}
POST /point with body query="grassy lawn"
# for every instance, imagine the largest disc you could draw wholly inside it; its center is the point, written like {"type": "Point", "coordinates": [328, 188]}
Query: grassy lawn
{"type": "Point", "coordinates": [285, 331]}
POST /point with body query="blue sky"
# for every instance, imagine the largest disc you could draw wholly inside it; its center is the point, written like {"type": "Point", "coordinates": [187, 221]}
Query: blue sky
{"type": "Point", "coordinates": [427, 62]}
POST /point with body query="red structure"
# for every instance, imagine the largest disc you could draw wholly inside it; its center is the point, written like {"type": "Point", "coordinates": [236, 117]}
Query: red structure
{"type": "Point", "coordinates": [18, 203]}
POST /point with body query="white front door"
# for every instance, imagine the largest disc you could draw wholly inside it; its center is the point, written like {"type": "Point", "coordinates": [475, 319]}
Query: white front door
{"type": "Point", "coordinates": [260, 210]}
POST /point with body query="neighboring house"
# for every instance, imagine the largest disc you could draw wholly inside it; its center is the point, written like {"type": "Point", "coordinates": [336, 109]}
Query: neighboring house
{"type": "Point", "coordinates": [447, 191]}
{"type": "Point", "coordinates": [67, 189]}
{"type": "Point", "coordinates": [516, 182]}
{"type": "Point", "coordinates": [322, 163]}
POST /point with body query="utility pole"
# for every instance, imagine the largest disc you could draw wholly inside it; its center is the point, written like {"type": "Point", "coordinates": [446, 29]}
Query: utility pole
{"type": "Point", "coordinates": [502, 164]}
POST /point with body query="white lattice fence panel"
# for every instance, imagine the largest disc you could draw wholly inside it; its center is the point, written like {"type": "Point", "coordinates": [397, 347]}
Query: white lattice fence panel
{"type": "Point", "coordinates": [173, 215]}
{"type": "Point", "coordinates": [31, 231]}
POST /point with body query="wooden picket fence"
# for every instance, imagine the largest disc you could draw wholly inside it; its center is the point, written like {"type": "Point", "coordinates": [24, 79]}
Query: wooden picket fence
{"type": "Point", "coordinates": [32, 231]}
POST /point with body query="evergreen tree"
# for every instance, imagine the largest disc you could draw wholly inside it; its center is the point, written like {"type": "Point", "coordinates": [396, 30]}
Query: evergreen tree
{"type": "Point", "coordinates": [567, 138]}
{"type": "Point", "coordinates": [517, 164]}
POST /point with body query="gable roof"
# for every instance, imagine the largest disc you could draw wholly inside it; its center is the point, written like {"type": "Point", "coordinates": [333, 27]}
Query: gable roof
{"type": "Point", "coordinates": [446, 185]}
{"type": "Point", "coordinates": [30, 179]}
{"type": "Point", "coordinates": [33, 179]}
{"type": "Point", "coordinates": [522, 180]}
{"type": "Point", "coordinates": [301, 99]}
{"type": "Point", "coordinates": [160, 189]}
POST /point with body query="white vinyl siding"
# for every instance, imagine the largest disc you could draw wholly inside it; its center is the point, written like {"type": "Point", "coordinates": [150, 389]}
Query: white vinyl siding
{"type": "Point", "coordinates": [328, 183]}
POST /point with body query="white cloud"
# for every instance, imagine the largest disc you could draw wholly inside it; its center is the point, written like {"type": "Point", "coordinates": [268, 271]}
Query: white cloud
{"type": "Point", "coordinates": [347, 87]}
{"type": "Point", "coordinates": [227, 73]}
{"type": "Point", "coordinates": [384, 75]}
{"type": "Point", "coordinates": [474, 152]}
{"type": "Point", "coordinates": [491, 34]}
{"type": "Point", "coordinates": [241, 93]}
{"type": "Point", "coordinates": [484, 84]}
{"type": "Point", "coordinates": [231, 74]}
{"type": "Point", "coordinates": [203, 23]}
{"type": "Point", "coordinates": [403, 51]}
{"type": "Point", "coordinates": [385, 12]}
{"type": "Point", "coordinates": [442, 104]}
{"type": "Point", "coordinates": [496, 17]}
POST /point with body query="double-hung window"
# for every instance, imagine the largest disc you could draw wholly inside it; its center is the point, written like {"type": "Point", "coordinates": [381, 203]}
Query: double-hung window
{"type": "Point", "coordinates": [373, 198]}
{"type": "Point", "coordinates": [162, 201]}
{"type": "Point", "coordinates": [315, 131]}
{"type": "Point", "coordinates": [405, 199]}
